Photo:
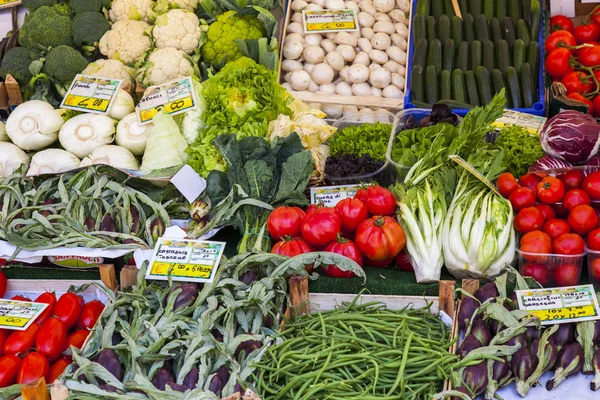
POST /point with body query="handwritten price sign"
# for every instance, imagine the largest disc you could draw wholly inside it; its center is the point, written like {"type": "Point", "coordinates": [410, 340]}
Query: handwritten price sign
{"type": "Point", "coordinates": [18, 315]}
{"type": "Point", "coordinates": [91, 94]}
{"type": "Point", "coordinates": [173, 97]}
{"type": "Point", "coordinates": [330, 21]}
{"type": "Point", "coordinates": [331, 195]}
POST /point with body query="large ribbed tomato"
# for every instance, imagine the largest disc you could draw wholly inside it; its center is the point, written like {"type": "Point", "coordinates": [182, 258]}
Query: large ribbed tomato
{"type": "Point", "coordinates": [346, 248]}
{"type": "Point", "coordinates": [285, 221]}
{"type": "Point", "coordinates": [380, 238]}
{"type": "Point", "coordinates": [321, 227]}
{"type": "Point", "coordinates": [292, 247]}
{"type": "Point", "coordinates": [352, 212]}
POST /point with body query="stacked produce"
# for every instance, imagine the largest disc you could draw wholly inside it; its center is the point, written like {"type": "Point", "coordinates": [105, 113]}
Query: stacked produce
{"type": "Point", "coordinates": [464, 62]}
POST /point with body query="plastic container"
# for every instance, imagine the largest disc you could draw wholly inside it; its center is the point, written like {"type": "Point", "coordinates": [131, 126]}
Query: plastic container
{"type": "Point", "coordinates": [593, 265]}
{"type": "Point", "coordinates": [539, 107]}
{"type": "Point", "coordinates": [551, 270]}
{"type": "Point", "coordinates": [380, 176]}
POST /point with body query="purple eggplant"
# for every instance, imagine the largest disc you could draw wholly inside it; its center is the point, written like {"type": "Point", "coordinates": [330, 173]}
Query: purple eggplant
{"type": "Point", "coordinates": [520, 339]}
{"type": "Point", "coordinates": [595, 383]}
{"type": "Point", "coordinates": [532, 333]}
{"type": "Point", "coordinates": [481, 331]}
{"type": "Point", "coordinates": [108, 224]}
{"type": "Point", "coordinates": [177, 387]}
{"type": "Point", "coordinates": [247, 347]}
{"type": "Point", "coordinates": [468, 344]}
{"type": "Point", "coordinates": [468, 306]}
{"type": "Point", "coordinates": [549, 356]}
{"type": "Point", "coordinates": [157, 229]}
{"type": "Point", "coordinates": [570, 362]}
{"type": "Point", "coordinates": [216, 385]}
{"type": "Point", "coordinates": [109, 360]}
{"type": "Point", "coordinates": [162, 377]}
{"type": "Point", "coordinates": [217, 335]}
{"type": "Point", "coordinates": [187, 297]}
{"type": "Point", "coordinates": [249, 277]}
{"type": "Point", "coordinates": [89, 224]}
{"type": "Point", "coordinates": [597, 332]}
{"type": "Point", "coordinates": [135, 219]}
{"type": "Point", "coordinates": [460, 389]}
{"type": "Point", "coordinates": [191, 379]}
{"type": "Point", "coordinates": [116, 338]}
{"type": "Point", "coordinates": [564, 335]}
{"type": "Point", "coordinates": [495, 326]}
{"type": "Point", "coordinates": [523, 364]}
{"type": "Point", "coordinates": [238, 388]}
{"type": "Point", "coordinates": [109, 388]}
{"type": "Point", "coordinates": [501, 376]}
{"type": "Point", "coordinates": [487, 291]}
{"type": "Point", "coordinates": [475, 377]}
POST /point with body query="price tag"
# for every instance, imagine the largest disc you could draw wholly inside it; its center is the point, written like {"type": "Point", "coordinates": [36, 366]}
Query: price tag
{"type": "Point", "coordinates": [91, 94]}
{"type": "Point", "coordinates": [560, 305]}
{"type": "Point", "coordinates": [331, 195]}
{"type": "Point", "coordinates": [18, 315]}
{"type": "Point", "coordinates": [460, 161]}
{"type": "Point", "coordinates": [532, 123]}
{"type": "Point", "coordinates": [174, 97]}
{"type": "Point", "coordinates": [329, 21]}
{"type": "Point", "coordinates": [9, 3]}
{"type": "Point", "coordinates": [186, 260]}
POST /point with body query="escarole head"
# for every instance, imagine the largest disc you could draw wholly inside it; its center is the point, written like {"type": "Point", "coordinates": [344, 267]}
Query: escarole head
{"type": "Point", "coordinates": [52, 161]}
{"type": "Point", "coordinates": [132, 135]}
{"type": "Point", "coordinates": [84, 133]}
{"type": "Point", "coordinates": [11, 158]}
{"type": "Point", "coordinates": [34, 125]}
{"type": "Point", "coordinates": [115, 156]}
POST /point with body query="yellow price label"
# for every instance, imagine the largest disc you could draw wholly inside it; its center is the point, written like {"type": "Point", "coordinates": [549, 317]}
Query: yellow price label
{"type": "Point", "coordinates": [331, 26]}
{"type": "Point", "coordinates": [182, 270]}
{"type": "Point", "coordinates": [87, 103]}
{"type": "Point", "coordinates": [558, 314]}
{"type": "Point", "coordinates": [170, 108]}
{"type": "Point", "coordinates": [12, 321]}
{"type": "Point", "coordinates": [5, 3]}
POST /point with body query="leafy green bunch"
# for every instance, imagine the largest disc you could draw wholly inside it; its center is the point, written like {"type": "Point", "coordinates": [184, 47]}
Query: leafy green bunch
{"type": "Point", "coordinates": [362, 139]}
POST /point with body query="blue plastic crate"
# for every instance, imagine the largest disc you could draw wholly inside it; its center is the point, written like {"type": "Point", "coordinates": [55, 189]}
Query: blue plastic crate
{"type": "Point", "coordinates": [539, 108]}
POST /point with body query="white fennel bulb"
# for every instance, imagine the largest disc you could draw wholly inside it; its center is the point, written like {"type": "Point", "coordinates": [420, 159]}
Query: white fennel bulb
{"type": "Point", "coordinates": [52, 161]}
{"type": "Point", "coordinates": [84, 133]}
{"type": "Point", "coordinates": [11, 158]}
{"type": "Point", "coordinates": [34, 125]}
{"type": "Point", "coordinates": [132, 135]}
{"type": "Point", "coordinates": [3, 136]}
{"type": "Point", "coordinates": [115, 156]}
{"type": "Point", "coordinates": [122, 106]}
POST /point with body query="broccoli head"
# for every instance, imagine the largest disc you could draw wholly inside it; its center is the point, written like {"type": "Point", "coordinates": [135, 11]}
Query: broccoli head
{"type": "Point", "coordinates": [63, 63]}
{"type": "Point", "coordinates": [16, 62]}
{"type": "Point", "coordinates": [32, 5]}
{"type": "Point", "coordinates": [88, 28]}
{"type": "Point", "coordinates": [80, 6]}
{"type": "Point", "coordinates": [223, 33]}
{"type": "Point", "coordinates": [46, 27]}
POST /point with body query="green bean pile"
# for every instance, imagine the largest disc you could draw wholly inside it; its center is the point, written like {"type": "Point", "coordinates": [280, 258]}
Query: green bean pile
{"type": "Point", "coordinates": [364, 352]}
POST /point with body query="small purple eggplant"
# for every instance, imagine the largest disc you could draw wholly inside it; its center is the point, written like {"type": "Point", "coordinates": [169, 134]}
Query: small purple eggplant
{"type": "Point", "coordinates": [520, 339]}
{"type": "Point", "coordinates": [116, 339]}
{"type": "Point", "coordinates": [217, 335]}
{"type": "Point", "coordinates": [523, 364]}
{"type": "Point", "coordinates": [460, 389]}
{"type": "Point", "coordinates": [247, 347]}
{"type": "Point", "coordinates": [475, 378]}
{"type": "Point", "coordinates": [595, 383]}
{"type": "Point", "coordinates": [135, 219]}
{"type": "Point", "coordinates": [597, 332]}
{"type": "Point", "coordinates": [481, 331]}
{"type": "Point", "coordinates": [468, 344]}
{"type": "Point", "coordinates": [177, 387]}
{"type": "Point", "coordinates": [109, 388]}
{"type": "Point", "coordinates": [187, 297]}
{"type": "Point", "coordinates": [532, 333]}
{"type": "Point", "coordinates": [216, 385]}
{"type": "Point", "coordinates": [564, 335]}
{"type": "Point", "coordinates": [495, 326]}
{"type": "Point", "coordinates": [162, 377]}
{"type": "Point", "coordinates": [157, 229]}
{"type": "Point", "coordinates": [238, 389]}
{"type": "Point", "coordinates": [549, 356]}
{"type": "Point", "coordinates": [487, 291]}
{"type": "Point", "coordinates": [249, 277]}
{"type": "Point", "coordinates": [109, 360]}
{"type": "Point", "coordinates": [89, 224]}
{"type": "Point", "coordinates": [108, 224]}
{"type": "Point", "coordinates": [191, 379]}
{"type": "Point", "coordinates": [501, 376]}
{"type": "Point", "coordinates": [468, 306]}
{"type": "Point", "coordinates": [570, 362]}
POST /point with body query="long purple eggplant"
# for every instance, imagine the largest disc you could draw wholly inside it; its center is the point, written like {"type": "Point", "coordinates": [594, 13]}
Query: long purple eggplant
{"type": "Point", "coordinates": [468, 306]}
{"type": "Point", "coordinates": [570, 362]}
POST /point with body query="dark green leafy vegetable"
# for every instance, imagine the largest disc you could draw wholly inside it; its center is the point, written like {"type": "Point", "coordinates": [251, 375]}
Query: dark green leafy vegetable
{"type": "Point", "coordinates": [349, 165]}
{"type": "Point", "coordinates": [521, 149]}
{"type": "Point", "coordinates": [358, 140]}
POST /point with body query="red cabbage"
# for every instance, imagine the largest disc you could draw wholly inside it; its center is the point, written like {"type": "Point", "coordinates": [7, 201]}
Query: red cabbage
{"type": "Point", "coordinates": [571, 136]}
{"type": "Point", "coordinates": [548, 162]}
{"type": "Point", "coordinates": [594, 161]}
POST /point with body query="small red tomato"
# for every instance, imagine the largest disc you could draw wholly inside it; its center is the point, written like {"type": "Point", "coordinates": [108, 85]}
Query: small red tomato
{"type": "Point", "coordinates": [379, 264]}
{"type": "Point", "coordinates": [560, 22]}
{"type": "Point", "coordinates": [580, 98]}
{"type": "Point", "coordinates": [321, 227]}
{"type": "Point", "coordinates": [568, 244]}
{"type": "Point", "coordinates": [582, 219]}
{"type": "Point", "coordinates": [90, 314]}
{"type": "Point", "coordinates": [593, 240]}
{"type": "Point", "coordinates": [403, 262]}
{"type": "Point", "coordinates": [46, 298]}
{"type": "Point", "coordinates": [536, 242]}
{"type": "Point", "coordinates": [18, 342]}
{"type": "Point", "coordinates": [346, 248]}
{"type": "Point", "coordinates": [537, 271]}
{"type": "Point", "coordinates": [573, 179]}
{"type": "Point", "coordinates": [550, 190]}
{"type": "Point", "coordinates": [546, 210]}
{"type": "Point", "coordinates": [3, 335]}
{"type": "Point", "coordinates": [292, 247]}
{"type": "Point", "coordinates": [557, 62]}
{"type": "Point", "coordinates": [68, 308]}
{"type": "Point", "coordinates": [577, 82]}
{"type": "Point", "coordinates": [9, 368]}
{"type": "Point", "coordinates": [556, 227]}
{"type": "Point", "coordinates": [587, 33]}
{"type": "Point", "coordinates": [530, 180]}
{"type": "Point", "coordinates": [77, 339]}
{"type": "Point", "coordinates": [20, 298]}
{"type": "Point", "coordinates": [529, 219]}
{"type": "Point", "coordinates": [559, 39]}
{"type": "Point", "coordinates": [57, 369]}
{"type": "Point", "coordinates": [352, 212]}
{"type": "Point", "coordinates": [380, 238]}
{"type": "Point", "coordinates": [594, 270]}
{"type": "Point", "coordinates": [34, 366]}
{"type": "Point", "coordinates": [379, 200]}
{"type": "Point", "coordinates": [51, 339]}
{"type": "Point", "coordinates": [596, 103]}
{"type": "Point", "coordinates": [507, 183]}
{"type": "Point", "coordinates": [521, 198]}
{"type": "Point", "coordinates": [3, 284]}
{"type": "Point", "coordinates": [566, 275]}
{"type": "Point", "coordinates": [285, 221]}
{"type": "Point", "coordinates": [588, 56]}
{"type": "Point", "coordinates": [575, 197]}
{"type": "Point", "coordinates": [591, 184]}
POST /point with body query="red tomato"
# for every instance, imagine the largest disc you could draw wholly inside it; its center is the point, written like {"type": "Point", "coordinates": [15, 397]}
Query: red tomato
{"type": "Point", "coordinates": [573, 179]}
{"type": "Point", "coordinates": [9, 368]}
{"type": "Point", "coordinates": [529, 219]}
{"type": "Point", "coordinates": [33, 367]}
{"type": "Point", "coordinates": [559, 39]}
{"type": "Point", "coordinates": [578, 97]}
{"type": "Point", "coordinates": [379, 264]}
{"type": "Point", "coordinates": [291, 247]}
{"type": "Point", "coordinates": [596, 103]}
{"type": "Point", "coordinates": [560, 22]}
{"type": "Point", "coordinates": [3, 335]}
{"type": "Point", "coordinates": [521, 198]}
{"type": "Point", "coordinates": [588, 56]}
{"type": "Point", "coordinates": [561, 211]}
{"type": "Point", "coordinates": [582, 219]}
{"type": "Point", "coordinates": [312, 208]}
{"type": "Point", "coordinates": [557, 62]}
{"type": "Point", "coordinates": [546, 210]}
{"type": "Point", "coordinates": [507, 183]}
{"type": "Point", "coordinates": [18, 342]}
{"type": "Point", "coordinates": [90, 314]}
{"type": "Point", "coordinates": [352, 212]}
{"type": "Point", "coordinates": [530, 180]}
{"type": "Point", "coordinates": [321, 227]}
{"type": "Point", "coordinates": [20, 298]}
{"type": "Point", "coordinates": [591, 184]}
{"type": "Point", "coordinates": [403, 262]}
{"type": "Point", "coordinates": [3, 284]}
{"type": "Point", "coordinates": [595, 270]}
{"type": "Point", "coordinates": [593, 240]}
{"type": "Point", "coordinates": [569, 244]}
{"type": "Point", "coordinates": [379, 200]}
{"type": "Point", "coordinates": [51, 339]}
{"type": "Point", "coordinates": [587, 33]}
{"type": "Point", "coordinates": [57, 369]}
{"type": "Point", "coordinates": [575, 197]}
{"type": "Point", "coordinates": [285, 221]}
{"type": "Point", "coordinates": [566, 275]}
{"type": "Point", "coordinates": [346, 248]}
{"type": "Point", "coordinates": [555, 227]}
{"type": "Point", "coordinates": [46, 298]}
{"type": "Point", "coordinates": [380, 238]}
{"type": "Point", "coordinates": [67, 309]}
{"type": "Point", "coordinates": [550, 190]}
{"type": "Point", "coordinates": [537, 242]}
{"type": "Point", "coordinates": [537, 271]}
{"type": "Point", "coordinates": [595, 14]}
{"type": "Point", "coordinates": [577, 81]}
{"type": "Point", "coordinates": [77, 339]}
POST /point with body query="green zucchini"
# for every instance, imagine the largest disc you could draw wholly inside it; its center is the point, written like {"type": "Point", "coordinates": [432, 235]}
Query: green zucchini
{"type": "Point", "coordinates": [457, 30]}
{"type": "Point", "coordinates": [462, 56]}
{"type": "Point", "coordinates": [497, 81]}
{"type": "Point", "coordinates": [514, 10]}
{"type": "Point", "coordinates": [468, 22]}
{"type": "Point", "coordinates": [500, 9]}
{"type": "Point", "coordinates": [434, 55]}
{"type": "Point", "coordinates": [444, 28]}
{"type": "Point", "coordinates": [535, 19]}
{"type": "Point", "coordinates": [445, 84]}
{"type": "Point", "coordinates": [464, 6]}
{"type": "Point", "coordinates": [420, 104]}
{"type": "Point", "coordinates": [508, 31]}
{"type": "Point", "coordinates": [496, 30]}
{"type": "Point", "coordinates": [527, 89]}
{"type": "Point", "coordinates": [481, 28]}
{"type": "Point", "coordinates": [533, 58]}
{"type": "Point", "coordinates": [489, 55]}
{"type": "Point", "coordinates": [416, 83]}
{"type": "Point", "coordinates": [437, 8]}
{"type": "Point", "coordinates": [488, 9]}
{"type": "Point", "coordinates": [475, 53]}
{"type": "Point", "coordinates": [448, 9]}
{"type": "Point", "coordinates": [458, 86]}
{"type": "Point", "coordinates": [471, 86]}
{"type": "Point", "coordinates": [523, 31]}
{"type": "Point", "coordinates": [431, 85]}
{"type": "Point", "coordinates": [455, 104]}
{"type": "Point", "coordinates": [512, 83]}
{"type": "Point", "coordinates": [430, 28]}
{"type": "Point", "coordinates": [519, 54]}
{"type": "Point", "coordinates": [420, 54]}
{"type": "Point", "coordinates": [423, 7]}
{"type": "Point", "coordinates": [475, 7]}
{"type": "Point", "coordinates": [449, 52]}
{"type": "Point", "coordinates": [484, 85]}
{"type": "Point", "coordinates": [526, 11]}
{"type": "Point", "coordinates": [420, 32]}
{"type": "Point", "coordinates": [502, 56]}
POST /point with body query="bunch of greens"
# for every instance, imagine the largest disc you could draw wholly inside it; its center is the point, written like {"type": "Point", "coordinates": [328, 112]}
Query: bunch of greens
{"type": "Point", "coordinates": [413, 144]}
{"type": "Point", "coordinates": [521, 149]}
{"type": "Point", "coordinates": [261, 176]}
{"type": "Point", "coordinates": [362, 139]}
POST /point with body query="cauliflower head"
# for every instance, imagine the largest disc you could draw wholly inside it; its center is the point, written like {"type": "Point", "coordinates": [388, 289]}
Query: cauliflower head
{"type": "Point", "coordinates": [127, 41]}
{"type": "Point", "coordinates": [139, 10]}
{"type": "Point", "coordinates": [163, 6]}
{"type": "Point", "coordinates": [223, 33]}
{"type": "Point", "coordinates": [113, 69]}
{"type": "Point", "coordinates": [164, 65]}
{"type": "Point", "coordinates": [179, 29]}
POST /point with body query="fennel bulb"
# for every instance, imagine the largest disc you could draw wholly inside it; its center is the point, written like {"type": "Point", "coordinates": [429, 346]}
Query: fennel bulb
{"type": "Point", "coordinates": [84, 133]}
{"type": "Point", "coordinates": [3, 136]}
{"type": "Point", "coordinates": [52, 161]}
{"type": "Point", "coordinates": [34, 125]}
{"type": "Point", "coordinates": [132, 135]}
{"type": "Point", "coordinates": [122, 106]}
{"type": "Point", "coordinates": [191, 122]}
{"type": "Point", "coordinates": [165, 146]}
{"type": "Point", "coordinates": [115, 156]}
{"type": "Point", "coordinates": [11, 158]}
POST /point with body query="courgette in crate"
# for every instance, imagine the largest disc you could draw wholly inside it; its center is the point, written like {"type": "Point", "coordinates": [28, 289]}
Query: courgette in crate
{"type": "Point", "coordinates": [420, 54]}
{"type": "Point", "coordinates": [475, 7]}
{"type": "Point", "coordinates": [462, 56]}
{"type": "Point", "coordinates": [519, 54]}
{"type": "Point", "coordinates": [431, 85]}
{"type": "Point", "coordinates": [471, 86]}
{"type": "Point", "coordinates": [481, 28]}
{"type": "Point", "coordinates": [419, 28]}
{"type": "Point", "coordinates": [502, 56]}
{"type": "Point", "coordinates": [449, 52]}
{"type": "Point", "coordinates": [437, 8]}
{"type": "Point", "coordinates": [488, 9]}
{"type": "Point", "coordinates": [526, 11]}
{"type": "Point", "coordinates": [514, 10]}
{"type": "Point", "coordinates": [416, 83]}
{"type": "Point", "coordinates": [489, 55]}
{"type": "Point", "coordinates": [527, 89]}
{"type": "Point", "coordinates": [523, 31]}
{"type": "Point", "coordinates": [448, 9]}
{"type": "Point", "coordinates": [464, 7]}
{"type": "Point", "coordinates": [496, 30]}
{"type": "Point", "coordinates": [445, 84]}
{"type": "Point", "coordinates": [535, 19]}
{"type": "Point", "coordinates": [500, 9]}
{"type": "Point", "coordinates": [533, 58]}
{"type": "Point", "coordinates": [457, 30]}
{"type": "Point", "coordinates": [434, 54]}
{"type": "Point", "coordinates": [455, 104]}
{"type": "Point", "coordinates": [420, 104]}
{"type": "Point", "coordinates": [423, 7]}
{"type": "Point", "coordinates": [468, 26]}
{"type": "Point", "coordinates": [512, 83]}
{"type": "Point", "coordinates": [430, 27]}
{"type": "Point", "coordinates": [444, 28]}
{"type": "Point", "coordinates": [484, 85]}
{"type": "Point", "coordinates": [508, 30]}
{"type": "Point", "coordinates": [475, 53]}
{"type": "Point", "coordinates": [497, 80]}
{"type": "Point", "coordinates": [458, 86]}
